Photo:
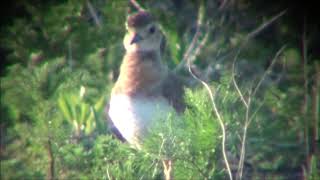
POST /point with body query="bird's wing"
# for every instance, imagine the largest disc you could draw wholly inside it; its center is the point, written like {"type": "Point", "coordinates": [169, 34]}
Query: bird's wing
{"type": "Point", "coordinates": [114, 130]}
{"type": "Point", "coordinates": [173, 91]}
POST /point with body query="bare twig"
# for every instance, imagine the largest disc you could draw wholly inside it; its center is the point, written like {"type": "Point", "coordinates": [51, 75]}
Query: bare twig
{"type": "Point", "coordinates": [255, 112]}
{"type": "Point", "coordinates": [265, 25]}
{"type": "Point", "coordinates": [51, 168]}
{"type": "Point", "coordinates": [167, 163]}
{"type": "Point", "coordinates": [70, 57]}
{"type": "Point", "coordinates": [188, 54]}
{"type": "Point", "coordinates": [236, 84]}
{"type": "Point", "coordinates": [137, 5]}
{"type": "Point", "coordinates": [315, 111]}
{"type": "Point", "coordinates": [156, 161]}
{"type": "Point", "coordinates": [252, 34]}
{"type": "Point", "coordinates": [187, 60]}
{"type": "Point", "coordinates": [94, 14]}
{"type": "Point", "coordinates": [223, 4]}
{"type": "Point", "coordinates": [219, 119]}
{"type": "Point", "coordinates": [108, 174]}
{"type": "Point", "coordinates": [243, 144]}
{"type": "Point", "coordinates": [199, 47]}
{"type": "Point", "coordinates": [304, 104]}
{"type": "Point", "coordinates": [247, 103]}
{"type": "Point", "coordinates": [268, 69]}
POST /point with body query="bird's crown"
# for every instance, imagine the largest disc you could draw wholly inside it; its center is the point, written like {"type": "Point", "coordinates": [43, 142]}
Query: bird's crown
{"type": "Point", "coordinates": [143, 33]}
{"type": "Point", "coordinates": [139, 19]}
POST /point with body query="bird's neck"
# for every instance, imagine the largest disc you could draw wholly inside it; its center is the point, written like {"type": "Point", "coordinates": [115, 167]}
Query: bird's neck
{"type": "Point", "coordinates": [141, 73]}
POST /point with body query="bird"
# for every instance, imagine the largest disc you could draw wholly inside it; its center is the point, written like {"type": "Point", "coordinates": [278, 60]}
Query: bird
{"type": "Point", "coordinates": [146, 91]}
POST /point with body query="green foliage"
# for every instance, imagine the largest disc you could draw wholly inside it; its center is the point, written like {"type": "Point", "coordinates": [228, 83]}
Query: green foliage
{"type": "Point", "coordinates": [80, 114]}
{"type": "Point", "coordinates": [190, 140]}
{"type": "Point", "coordinates": [59, 50]}
{"type": "Point", "coordinates": [314, 171]}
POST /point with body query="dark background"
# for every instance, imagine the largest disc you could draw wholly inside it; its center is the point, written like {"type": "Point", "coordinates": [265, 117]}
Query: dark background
{"type": "Point", "coordinates": [299, 12]}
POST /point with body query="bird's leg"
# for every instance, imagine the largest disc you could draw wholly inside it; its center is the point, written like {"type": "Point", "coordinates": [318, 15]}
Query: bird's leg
{"type": "Point", "coordinates": [167, 169]}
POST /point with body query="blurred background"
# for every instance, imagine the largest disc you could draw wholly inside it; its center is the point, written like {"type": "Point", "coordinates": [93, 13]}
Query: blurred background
{"type": "Point", "coordinates": [59, 60]}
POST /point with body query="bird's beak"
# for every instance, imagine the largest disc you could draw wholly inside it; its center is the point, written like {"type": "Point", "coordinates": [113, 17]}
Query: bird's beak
{"type": "Point", "coordinates": [136, 38]}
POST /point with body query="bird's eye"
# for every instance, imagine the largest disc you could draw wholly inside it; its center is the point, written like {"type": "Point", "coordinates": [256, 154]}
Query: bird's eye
{"type": "Point", "coordinates": [152, 29]}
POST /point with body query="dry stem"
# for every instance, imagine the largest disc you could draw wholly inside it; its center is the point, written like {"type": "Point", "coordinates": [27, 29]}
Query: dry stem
{"type": "Point", "coordinates": [94, 13]}
{"type": "Point", "coordinates": [137, 5]}
{"type": "Point", "coordinates": [247, 103]}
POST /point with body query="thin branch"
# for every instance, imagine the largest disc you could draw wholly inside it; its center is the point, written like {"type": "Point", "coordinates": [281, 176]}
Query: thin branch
{"type": "Point", "coordinates": [248, 102]}
{"type": "Point", "coordinates": [187, 55]}
{"type": "Point", "coordinates": [94, 14]}
{"type": "Point", "coordinates": [236, 84]}
{"type": "Point", "coordinates": [268, 69]}
{"type": "Point", "coordinates": [255, 112]}
{"type": "Point", "coordinates": [315, 111]}
{"type": "Point", "coordinates": [70, 58]}
{"type": "Point", "coordinates": [200, 46]}
{"type": "Point", "coordinates": [248, 106]}
{"type": "Point", "coordinates": [219, 119]}
{"type": "Point", "coordinates": [304, 105]}
{"type": "Point", "coordinates": [189, 50]}
{"type": "Point", "coordinates": [265, 25]}
{"type": "Point", "coordinates": [187, 60]}
{"type": "Point", "coordinates": [109, 177]}
{"type": "Point", "coordinates": [156, 161]}
{"type": "Point", "coordinates": [252, 34]}
{"type": "Point", "coordinates": [137, 5]}
{"type": "Point", "coordinates": [51, 168]}
{"type": "Point", "coordinates": [243, 144]}
{"type": "Point", "coordinates": [223, 5]}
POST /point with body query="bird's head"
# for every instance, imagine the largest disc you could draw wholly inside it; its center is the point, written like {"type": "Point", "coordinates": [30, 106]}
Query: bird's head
{"type": "Point", "coordinates": [143, 33]}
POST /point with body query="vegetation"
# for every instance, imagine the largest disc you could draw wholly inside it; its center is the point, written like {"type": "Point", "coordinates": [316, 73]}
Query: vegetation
{"type": "Point", "coordinates": [63, 58]}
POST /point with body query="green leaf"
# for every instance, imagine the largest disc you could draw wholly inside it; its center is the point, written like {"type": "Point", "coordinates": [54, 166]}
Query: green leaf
{"type": "Point", "coordinates": [65, 108]}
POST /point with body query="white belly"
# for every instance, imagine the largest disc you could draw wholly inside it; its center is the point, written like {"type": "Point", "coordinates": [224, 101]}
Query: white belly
{"type": "Point", "coordinates": [133, 116]}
